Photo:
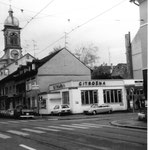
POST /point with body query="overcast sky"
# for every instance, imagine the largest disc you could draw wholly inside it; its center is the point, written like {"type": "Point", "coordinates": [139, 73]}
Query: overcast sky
{"type": "Point", "coordinates": [102, 23]}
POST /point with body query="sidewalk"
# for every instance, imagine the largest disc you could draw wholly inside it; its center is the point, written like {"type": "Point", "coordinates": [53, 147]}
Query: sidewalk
{"type": "Point", "coordinates": [132, 123]}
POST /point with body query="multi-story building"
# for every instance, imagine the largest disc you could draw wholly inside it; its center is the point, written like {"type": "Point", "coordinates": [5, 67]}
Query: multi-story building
{"type": "Point", "coordinates": [23, 85]}
{"type": "Point", "coordinates": [139, 43]}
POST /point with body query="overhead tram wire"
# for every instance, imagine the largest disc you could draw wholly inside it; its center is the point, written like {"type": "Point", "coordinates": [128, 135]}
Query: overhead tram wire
{"type": "Point", "coordinates": [16, 7]}
{"type": "Point", "coordinates": [84, 24]}
{"type": "Point", "coordinates": [51, 44]}
{"type": "Point", "coordinates": [97, 16]}
{"type": "Point", "coordinates": [38, 13]}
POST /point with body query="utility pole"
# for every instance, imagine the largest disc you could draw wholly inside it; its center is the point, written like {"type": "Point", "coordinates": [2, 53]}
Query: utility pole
{"type": "Point", "coordinates": [66, 43]}
{"type": "Point", "coordinates": [34, 46]}
{"type": "Point", "coordinates": [109, 56]}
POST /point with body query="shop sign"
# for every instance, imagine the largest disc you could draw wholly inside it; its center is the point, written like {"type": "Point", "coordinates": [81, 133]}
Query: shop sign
{"type": "Point", "coordinates": [58, 86]}
{"type": "Point", "coordinates": [92, 83]}
{"type": "Point", "coordinates": [35, 87]}
{"type": "Point", "coordinates": [138, 83]}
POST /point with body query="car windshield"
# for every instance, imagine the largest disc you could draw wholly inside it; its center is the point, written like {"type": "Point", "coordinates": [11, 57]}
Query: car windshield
{"type": "Point", "coordinates": [57, 107]}
{"type": "Point", "coordinates": [103, 105]}
{"type": "Point", "coordinates": [94, 106]}
{"type": "Point", "coordinates": [65, 106]}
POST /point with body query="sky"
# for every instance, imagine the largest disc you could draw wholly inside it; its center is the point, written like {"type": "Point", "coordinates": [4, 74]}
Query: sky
{"type": "Point", "coordinates": [47, 24]}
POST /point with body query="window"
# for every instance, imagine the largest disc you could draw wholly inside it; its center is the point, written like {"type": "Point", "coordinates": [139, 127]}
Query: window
{"type": "Point", "coordinates": [89, 97]}
{"type": "Point", "coordinates": [27, 56]}
{"type": "Point", "coordinates": [33, 101]}
{"type": "Point", "coordinates": [112, 96]}
{"type": "Point", "coordinates": [14, 39]}
{"type": "Point", "coordinates": [6, 90]}
{"type": "Point", "coordinates": [65, 97]}
{"type": "Point", "coordinates": [6, 72]}
{"type": "Point", "coordinates": [57, 107]}
{"type": "Point", "coordinates": [16, 63]}
{"type": "Point", "coordinates": [43, 103]}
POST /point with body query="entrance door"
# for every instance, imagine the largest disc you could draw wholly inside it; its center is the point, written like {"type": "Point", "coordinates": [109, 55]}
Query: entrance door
{"type": "Point", "coordinates": [65, 97]}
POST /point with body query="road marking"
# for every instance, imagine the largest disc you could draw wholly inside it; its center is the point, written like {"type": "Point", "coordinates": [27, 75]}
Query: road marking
{"type": "Point", "coordinates": [23, 121]}
{"type": "Point", "coordinates": [90, 126]}
{"type": "Point", "coordinates": [4, 122]}
{"type": "Point", "coordinates": [32, 130]}
{"type": "Point", "coordinates": [13, 121]}
{"type": "Point", "coordinates": [61, 128]}
{"type": "Point", "coordinates": [73, 126]}
{"type": "Point", "coordinates": [47, 129]}
{"type": "Point", "coordinates": [52, 119]}
{"type": "Point", "coordinates": [4, 136]}
{"type": "Point", "coordinates": [17, 132]}
{"type": "Point", "coordinates": [26, 147]}
{"type": "Point", "coordinates": [99, 125]}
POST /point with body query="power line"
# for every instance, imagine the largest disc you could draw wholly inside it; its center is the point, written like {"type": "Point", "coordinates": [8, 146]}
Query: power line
{"type": "Point", "coordinates": [84, 24]}
{"type": "Point", "coordinates": [96, 16]}
{"type": "Point", "coordinates": [38, 13]}
{"type": "Point", "coordinates": [21, 9]}
{"type": "Point", "coordinates": [52, 44]}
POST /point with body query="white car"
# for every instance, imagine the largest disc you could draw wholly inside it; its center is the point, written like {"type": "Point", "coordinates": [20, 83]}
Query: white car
{"type": "Point", "coordinates": [142, 115]}
{"type": "Point", "coordinates": [96, 109]}
{"type": "Point", "coordinates": [61, 109]}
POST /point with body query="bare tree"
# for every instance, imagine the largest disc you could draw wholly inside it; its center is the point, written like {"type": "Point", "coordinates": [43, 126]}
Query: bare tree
{"type": "Point", "coordinates": [87, 54]}
{"type": "Point", "coordinates": [57, 48]}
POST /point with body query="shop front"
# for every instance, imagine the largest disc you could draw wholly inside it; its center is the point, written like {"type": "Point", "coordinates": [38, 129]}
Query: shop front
{"type": "Point", "coordinates": [80, 95]}
{"type": "Point", "coordinates": [134, 94]}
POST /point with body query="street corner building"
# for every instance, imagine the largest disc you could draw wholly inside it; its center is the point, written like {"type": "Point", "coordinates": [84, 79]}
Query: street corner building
{"type": "Point", "coordinates": [81, 94]}
{"type": "Point", "coordinates": [59, 78]}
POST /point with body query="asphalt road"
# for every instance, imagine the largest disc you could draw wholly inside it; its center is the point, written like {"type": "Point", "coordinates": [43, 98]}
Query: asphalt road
{"type": "Point", "coordinates": [81, 134]}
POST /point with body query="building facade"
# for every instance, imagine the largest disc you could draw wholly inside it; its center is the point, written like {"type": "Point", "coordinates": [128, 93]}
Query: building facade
{"type": "Point", "coordinates": [24, 85]}
{"type": "Point", "coordinates": [80, 95]}
{"type": "Point", "coordinates": [139, 43]}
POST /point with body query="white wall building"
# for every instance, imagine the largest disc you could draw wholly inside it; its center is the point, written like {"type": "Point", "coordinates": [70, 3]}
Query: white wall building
{"type": "Point", "coordinates": [81, 94]}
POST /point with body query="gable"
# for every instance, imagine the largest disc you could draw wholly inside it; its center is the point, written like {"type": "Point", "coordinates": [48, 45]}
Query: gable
{"type": "Point", "coordinates": [64, 63]}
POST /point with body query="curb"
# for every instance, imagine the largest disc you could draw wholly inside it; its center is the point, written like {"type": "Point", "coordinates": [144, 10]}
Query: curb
{"type": "Point", "coordinates": [115, 123]}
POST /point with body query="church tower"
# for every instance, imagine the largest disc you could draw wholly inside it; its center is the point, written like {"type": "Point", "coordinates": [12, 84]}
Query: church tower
{"type": "Point", "coordinates": [12, 50]}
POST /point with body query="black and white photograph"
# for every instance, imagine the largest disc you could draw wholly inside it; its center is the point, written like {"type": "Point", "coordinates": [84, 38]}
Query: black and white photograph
{"type": "Point", "coordinates": [73, 74]}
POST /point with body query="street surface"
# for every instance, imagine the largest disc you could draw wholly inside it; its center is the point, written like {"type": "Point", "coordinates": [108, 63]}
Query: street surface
{"type": "Point", "coordinates": [78, 134]}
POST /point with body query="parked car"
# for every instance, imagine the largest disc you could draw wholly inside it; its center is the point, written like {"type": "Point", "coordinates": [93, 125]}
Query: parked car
{"type": "Point", "coordinates": [61, 109]}
{"type": "Point", "coordinates": [142, 115]}
{"type": "Point", "coordinates": [96, 109]}
{"type": "Point", "coordinates": [23, 112]}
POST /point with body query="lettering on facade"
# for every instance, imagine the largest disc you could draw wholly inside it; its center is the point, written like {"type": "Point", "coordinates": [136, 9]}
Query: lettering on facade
{"type": "Point", "coordinates": [91, 83]}
{"type": "Point", "coordinates": [58, 86]}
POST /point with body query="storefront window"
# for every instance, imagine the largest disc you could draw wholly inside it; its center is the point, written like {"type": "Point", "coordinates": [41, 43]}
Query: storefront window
{"type": "Point", "coordinates": [89, 97]}
{"type": "Point", "coordinates": [108, 96]}
{"type": "Point", "coordinates": [112, 96]}
{"type": "Point", "coordinates": [43, 104]}
{"type": "Point", "coordinates": [65, 97]}
{"type": "Point", "coordinates": [95, 94]}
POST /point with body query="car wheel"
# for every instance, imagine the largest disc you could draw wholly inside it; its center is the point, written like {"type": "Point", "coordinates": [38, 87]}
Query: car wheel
{"type": "Point", "coordinates": [94, 112]}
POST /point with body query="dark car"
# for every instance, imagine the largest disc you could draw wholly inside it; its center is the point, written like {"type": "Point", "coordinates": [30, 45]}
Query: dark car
{"type": "Point", "coordinates": [96, 109]}
{"type": "Point", "coordinates": [23, 112]}
{"type": "Point", "coordinates": [61, 109]}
